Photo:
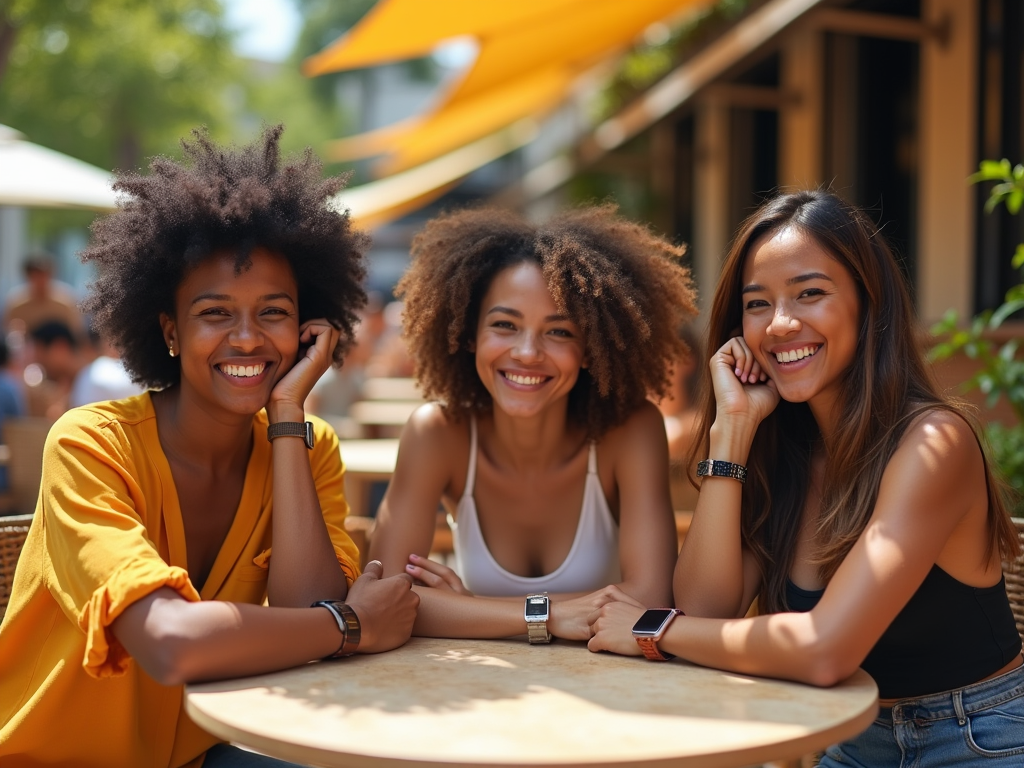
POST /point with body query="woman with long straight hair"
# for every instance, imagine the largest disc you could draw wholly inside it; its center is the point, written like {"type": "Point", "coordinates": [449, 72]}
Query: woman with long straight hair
{"type": "Point", "coordinates": [847, 495]}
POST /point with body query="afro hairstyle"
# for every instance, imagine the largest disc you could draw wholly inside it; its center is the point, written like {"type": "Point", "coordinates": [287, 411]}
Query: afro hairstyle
{"type": "Point", "coordinates": [219, 199]}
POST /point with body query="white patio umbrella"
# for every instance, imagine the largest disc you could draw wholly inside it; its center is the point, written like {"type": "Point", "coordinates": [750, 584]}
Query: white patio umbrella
{"type": "Point", "coordinates": [37, 177]}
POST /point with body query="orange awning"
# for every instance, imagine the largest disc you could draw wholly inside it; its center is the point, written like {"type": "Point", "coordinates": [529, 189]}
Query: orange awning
{"type": "Point", "coordinates": [386, 199]}
{"type": "Point", "coordinates": [531, 52]}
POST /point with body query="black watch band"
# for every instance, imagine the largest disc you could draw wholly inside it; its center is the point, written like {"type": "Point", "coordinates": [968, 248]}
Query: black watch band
{"type": "Point", "coordinates": [716, 468]}
{"type": "Point", "coordinates": [303, 429]}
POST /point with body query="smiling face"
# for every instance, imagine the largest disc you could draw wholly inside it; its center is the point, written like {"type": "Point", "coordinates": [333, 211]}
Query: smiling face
{"type": "Point", "coordinates": [236, 334]}
{"type": "Point", "coordinates": [801, 314]}
{"type": "Point", "coordinates": [528, 354]}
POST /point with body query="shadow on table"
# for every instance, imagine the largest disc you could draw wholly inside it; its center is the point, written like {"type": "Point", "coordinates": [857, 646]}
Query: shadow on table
{"type": "Point", "coordinates": [452, 676]}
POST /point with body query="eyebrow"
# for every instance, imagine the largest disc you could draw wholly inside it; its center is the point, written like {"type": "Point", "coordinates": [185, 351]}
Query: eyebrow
{"type": "Point", "coordinates": [227, 297]}
{"type": "Point", "coordinates": [754, 287]}
{"type": "Point", "coordinates": [517, 313]}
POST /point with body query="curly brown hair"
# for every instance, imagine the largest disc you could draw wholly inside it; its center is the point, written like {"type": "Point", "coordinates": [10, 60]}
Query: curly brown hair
{"type": "Point", "coordinates": [219, 198]}
{"type": "Point", "coordinates": [621, 284]}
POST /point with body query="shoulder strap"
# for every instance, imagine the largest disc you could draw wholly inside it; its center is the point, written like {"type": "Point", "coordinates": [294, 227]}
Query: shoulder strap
{"type": "Point", "coordinates": [471, 471]}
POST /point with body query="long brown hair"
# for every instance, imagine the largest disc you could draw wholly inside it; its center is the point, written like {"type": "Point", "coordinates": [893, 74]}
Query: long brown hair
{"type": "Point", "coordinates": [886, 387]}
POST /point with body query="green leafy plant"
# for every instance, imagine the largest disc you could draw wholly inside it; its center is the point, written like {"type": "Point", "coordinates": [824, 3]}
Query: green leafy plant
{"type": "Point", "coordinates": [1000, 370]}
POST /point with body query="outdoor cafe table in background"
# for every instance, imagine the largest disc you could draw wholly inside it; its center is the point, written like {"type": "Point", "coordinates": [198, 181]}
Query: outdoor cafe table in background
{"type": "Point", "coordinates": [366, 462]}
{"type": "Point", "coordinates": [508, 703]}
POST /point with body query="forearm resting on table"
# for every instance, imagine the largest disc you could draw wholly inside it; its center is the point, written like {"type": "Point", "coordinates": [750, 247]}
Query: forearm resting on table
{"type": "Point", "coordinates": [447, 614]}
{"type": "Point", "coordinates": [176, 641]}
{"type": "Point", "coordinates": [783, 645]}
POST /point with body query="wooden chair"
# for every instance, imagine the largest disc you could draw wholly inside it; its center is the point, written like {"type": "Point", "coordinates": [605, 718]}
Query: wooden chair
{"type": "Point", "coordinates": [13, 531]}
{"type": "Point", "coordinates": [25, 438]}
{"type": "Point", "coordinates": [1014, 573]}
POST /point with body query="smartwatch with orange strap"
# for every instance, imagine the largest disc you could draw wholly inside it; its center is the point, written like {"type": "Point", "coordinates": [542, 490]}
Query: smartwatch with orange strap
{"type": "Point", "coordinates": [650, 628]}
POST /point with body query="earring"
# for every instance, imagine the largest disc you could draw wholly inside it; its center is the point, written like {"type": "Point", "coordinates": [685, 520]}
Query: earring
{"type": "Point", "coordinates": [170, 351]}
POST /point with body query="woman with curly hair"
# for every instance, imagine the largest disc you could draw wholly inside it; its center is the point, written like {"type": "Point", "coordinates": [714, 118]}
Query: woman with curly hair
{"type": "Point", "coordinates": [846, 494]}
{"type": "Point", "coordinates": [229, 284]}
{"type": "Point", "coordinates": [540, 346]}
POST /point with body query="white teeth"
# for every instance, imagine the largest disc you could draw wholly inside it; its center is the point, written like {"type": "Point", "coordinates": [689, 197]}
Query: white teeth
{"type": "Point", "coordinates": [792, 355]}
{"type": "Point", "coordinates": [244, 371]}
{"type": "Point", "coordinates": [526, 380]}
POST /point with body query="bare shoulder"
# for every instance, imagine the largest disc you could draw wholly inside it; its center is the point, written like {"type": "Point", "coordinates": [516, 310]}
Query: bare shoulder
{"type": "Point", "coordinates": [431, 435]}
{"type": "Point", "coordinates": [639, 437]}
{"type": "Point", "coordinates": [644, 421]}
{"type": "Point", "coordinates": [940, 440]}
{"type": "Point", "coordinates": [938, 468]}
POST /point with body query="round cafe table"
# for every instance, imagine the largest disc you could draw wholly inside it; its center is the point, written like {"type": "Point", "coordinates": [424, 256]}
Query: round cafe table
{"type": "Point", "coordinates": [507, 703]}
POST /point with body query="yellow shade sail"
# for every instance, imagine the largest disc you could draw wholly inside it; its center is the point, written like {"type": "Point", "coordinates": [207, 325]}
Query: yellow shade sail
{"type": "Point", "coordinates": [381, 201]}
{"type": "Point", "coordinates": [530, 55]}
{"type": "Point", "coordinates": [395, 30]}
{"type": "Point", "coordinates": [469, 119]}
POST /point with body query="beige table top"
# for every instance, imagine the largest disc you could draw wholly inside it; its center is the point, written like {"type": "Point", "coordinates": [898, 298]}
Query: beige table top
{"type": "Point", "coordinates": [373, 458]}
{"type": "Point", "coordinates": [388, 413]}
{"type": "Point", "coordinates": [391, 389]}
{"type": "Point", "coordinates": [504, 702]}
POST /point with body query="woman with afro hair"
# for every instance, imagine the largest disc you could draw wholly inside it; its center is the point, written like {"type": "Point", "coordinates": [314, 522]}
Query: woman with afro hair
{"type": "Point", "coordinates": [229, 283]}
{"type": "Point", "coordinates": [540, 346]}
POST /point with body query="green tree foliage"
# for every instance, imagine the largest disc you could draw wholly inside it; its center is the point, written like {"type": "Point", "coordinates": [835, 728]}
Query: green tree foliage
{"type": "Point", "coordinates": [115, 81]}
{"type": "Point", "coordinates": [1001, 371]}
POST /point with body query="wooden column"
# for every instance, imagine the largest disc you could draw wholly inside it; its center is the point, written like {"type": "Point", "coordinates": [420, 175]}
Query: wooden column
{"type": "Point", "coordinates": [711, 196]}
{"type": "Point", "coordinates": [945, 262]}
{"type": "Point", "coordinates": [801, 125]}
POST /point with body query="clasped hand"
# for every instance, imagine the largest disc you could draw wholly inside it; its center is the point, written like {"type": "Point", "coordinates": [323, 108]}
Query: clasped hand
{"type": "Point", "coordinates": [570, 618]}
{"type": "Point", "coordinates": [386, 608]}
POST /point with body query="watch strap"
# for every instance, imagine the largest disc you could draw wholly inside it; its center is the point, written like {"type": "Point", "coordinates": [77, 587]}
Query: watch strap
{"type": "Point", "coordinates": [649, 643]}
{"type": "Point", "coordinates": [348, 624]}
{"type": "Point", "coordinates": [303, 429]}
{"type": "Point", "coordinates": [649, 647]}
{"type": "Point", "coordinates": [536, 628]}
{"type": "Point", "coordinates": [538, 632]}
{"type": "Point", "coordinates": [718, 468]}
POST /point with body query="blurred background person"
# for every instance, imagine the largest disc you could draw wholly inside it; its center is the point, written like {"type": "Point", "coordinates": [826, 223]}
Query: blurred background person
{"type": "Point", "coordinates": [391, 358]}
{"type": "Point", "coordinates": [12, 399]}
{"type": "Point", "coordinates": [53, 363]}
{"type": "Point", "coordinates": [41, 299]}
{"type": "Point", "coordinates": [104, 378]}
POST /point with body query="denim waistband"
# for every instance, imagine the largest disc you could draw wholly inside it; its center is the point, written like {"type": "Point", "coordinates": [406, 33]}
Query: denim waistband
{"type": "Point", "coordinates": [960, 702]}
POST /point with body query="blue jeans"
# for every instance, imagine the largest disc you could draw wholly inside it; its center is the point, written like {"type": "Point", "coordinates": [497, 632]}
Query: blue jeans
{"type": "Point", "coordinates": [227, 756]}
{"type": "Point", "coordinates": [980, 725]}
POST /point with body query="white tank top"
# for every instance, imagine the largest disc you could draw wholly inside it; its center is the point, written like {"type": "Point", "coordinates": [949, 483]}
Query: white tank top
{"type": "Point", "coordinates": [592, 562]}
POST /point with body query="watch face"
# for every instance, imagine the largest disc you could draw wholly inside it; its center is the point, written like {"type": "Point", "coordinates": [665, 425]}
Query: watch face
{"type": "Point", "coordinates": [652, 621]}
{"type": "Point", "coordinates": [536, 606]}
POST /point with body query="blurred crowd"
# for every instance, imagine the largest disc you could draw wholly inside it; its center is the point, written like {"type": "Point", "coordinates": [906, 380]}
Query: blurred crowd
{"type": "Point", "coordinates": [49, 360]}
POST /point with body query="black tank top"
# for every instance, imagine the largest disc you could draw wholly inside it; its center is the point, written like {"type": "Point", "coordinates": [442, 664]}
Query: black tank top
{"type": "Point", "coordinates": [947, 636]}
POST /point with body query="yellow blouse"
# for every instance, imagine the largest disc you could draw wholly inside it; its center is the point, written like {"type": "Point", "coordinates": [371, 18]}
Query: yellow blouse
{"type": "Point", "coordinates": [108, 531]}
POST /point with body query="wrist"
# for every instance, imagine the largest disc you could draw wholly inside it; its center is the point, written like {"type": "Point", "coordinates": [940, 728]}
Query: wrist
{"type": "Point", "coordinates": [285, 412]}
{"type": "Point", "coordinates": [347, 624]}
{"type": "Point", "coordinates": [730, 441]}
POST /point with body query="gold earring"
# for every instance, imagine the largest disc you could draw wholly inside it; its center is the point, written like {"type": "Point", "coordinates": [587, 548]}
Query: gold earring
{"type": "Point", "coordinates": [170, 351]}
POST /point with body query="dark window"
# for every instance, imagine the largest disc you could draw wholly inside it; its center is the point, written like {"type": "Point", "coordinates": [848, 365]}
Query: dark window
{"type": "Point", "coordinates": [1001, 53]}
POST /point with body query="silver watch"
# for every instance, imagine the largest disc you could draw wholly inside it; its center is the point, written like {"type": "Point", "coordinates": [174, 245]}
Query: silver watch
{"type": "Point", "coordinates": [537, 612]}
